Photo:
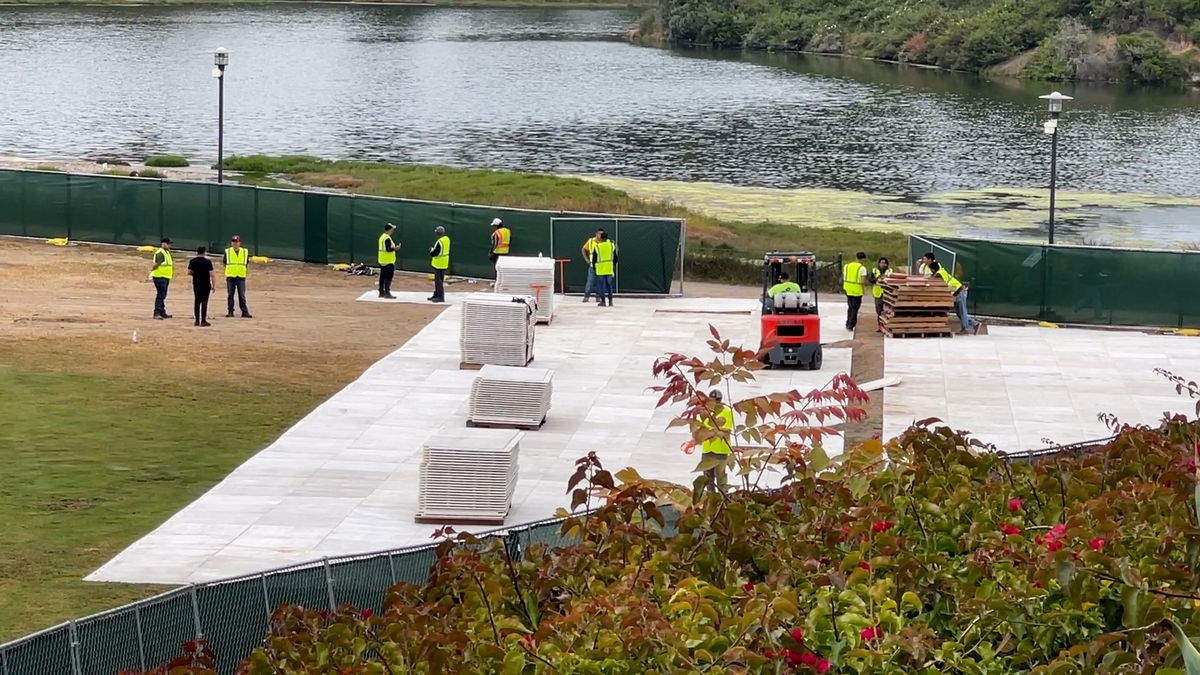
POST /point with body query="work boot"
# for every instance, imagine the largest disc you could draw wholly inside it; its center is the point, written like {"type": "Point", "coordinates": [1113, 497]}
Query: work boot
{"type": "Point", "coordinates": [165, 316]}
{"type": "Point", "coordinates": [586, 299]}
{"type": "Point", "coordinates": [229, 314]}
{"type": "Point", "coordinates": [978, 325]}
{"type": "Point", "coordinates": [196, 322]}
{"type": "Point", "coordinates": [246, 315]}
{"type": "Point", "coordinates": [600, 303]}
{"type": "Point", "coordinates": [205, 323]}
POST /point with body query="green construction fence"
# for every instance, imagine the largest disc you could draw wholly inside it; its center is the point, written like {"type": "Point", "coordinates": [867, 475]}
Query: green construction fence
{"type": "Point", "coordinates": [321, 227]}
{"type": "Point", "coordinates": [1072, 284]}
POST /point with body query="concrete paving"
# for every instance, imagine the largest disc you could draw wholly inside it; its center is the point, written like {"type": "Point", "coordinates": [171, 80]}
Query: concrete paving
{"type": "Point", "coordinates": [1027, 388]}
{"type": "Point", "coordinates": [343, 480]}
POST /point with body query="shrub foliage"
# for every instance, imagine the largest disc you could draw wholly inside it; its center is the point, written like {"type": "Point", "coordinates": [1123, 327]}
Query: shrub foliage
{"type": "Point", "coordinates": [930, 554]}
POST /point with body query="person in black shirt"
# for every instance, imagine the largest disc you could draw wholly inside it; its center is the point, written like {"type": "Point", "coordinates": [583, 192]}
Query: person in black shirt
{"type": "Point", "coordinates": [200, 269]}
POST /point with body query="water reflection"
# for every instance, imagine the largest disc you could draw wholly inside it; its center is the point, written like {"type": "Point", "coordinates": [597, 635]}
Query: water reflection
{"type": "Point", "coordinates": [556, 90]}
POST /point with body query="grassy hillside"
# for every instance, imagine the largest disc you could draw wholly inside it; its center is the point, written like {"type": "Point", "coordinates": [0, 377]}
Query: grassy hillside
{"type": "Point", "coordinates": [1154, 38]}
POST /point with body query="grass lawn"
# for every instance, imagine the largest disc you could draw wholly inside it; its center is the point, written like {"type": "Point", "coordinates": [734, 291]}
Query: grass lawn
{"type": "Point", "coordinates": [93, 461]}
{"type": "Point", "coordinates": [707, 236]}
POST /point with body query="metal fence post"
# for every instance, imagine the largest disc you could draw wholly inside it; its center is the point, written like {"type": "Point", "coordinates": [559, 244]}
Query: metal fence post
{"type": "Point", "coordinates": [329, 585]}
{"type": "Point", "coordinates": [137, 617]}
{"type": "Point", "coordinates": [266, 596]}
{"type": "Point", "coordinates": [4, 660]}
{"type": "Point", "coordinates": [392, 566]}
{"type": "Point", "coordinates": [682, 250]}
{"type": "Point", "coordinates": [73, 637]}
{"type": "Point", "coordinates": [195, 612]}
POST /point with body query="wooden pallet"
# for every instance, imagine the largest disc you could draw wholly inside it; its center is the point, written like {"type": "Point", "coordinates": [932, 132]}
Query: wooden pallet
{"type": "Point", "coordinates": [463, 365]}
{"type": "Point", "coordinates": [908, 334]}
{"type": "Point", "coordinates": [450, 520]}
{"type": "Point", "coordinates": [497, 425]}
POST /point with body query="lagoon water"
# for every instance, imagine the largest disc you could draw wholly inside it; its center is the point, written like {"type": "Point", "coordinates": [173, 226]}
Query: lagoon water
{"type": "Point", "coordinates": [560, 91]}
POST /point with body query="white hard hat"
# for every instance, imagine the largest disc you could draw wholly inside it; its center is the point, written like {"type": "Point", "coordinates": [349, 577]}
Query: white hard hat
{"type": "Point", "coordinates": [497, 221]}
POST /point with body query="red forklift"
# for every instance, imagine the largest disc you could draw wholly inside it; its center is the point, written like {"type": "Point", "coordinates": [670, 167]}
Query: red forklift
{"type": "Point", "coordinates": [791, 326]}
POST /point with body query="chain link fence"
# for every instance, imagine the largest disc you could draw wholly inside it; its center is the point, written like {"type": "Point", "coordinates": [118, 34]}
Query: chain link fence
{"type": "Point", "coordinates": [1090, 285]}
{"type": "Point", "coordinates": [233, 615]}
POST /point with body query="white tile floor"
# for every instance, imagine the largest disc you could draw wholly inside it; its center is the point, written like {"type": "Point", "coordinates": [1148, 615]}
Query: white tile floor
{"type": "Point", "coordinates": [344, 479]}
{"type": "Point", "coordinates": [1019, 387]}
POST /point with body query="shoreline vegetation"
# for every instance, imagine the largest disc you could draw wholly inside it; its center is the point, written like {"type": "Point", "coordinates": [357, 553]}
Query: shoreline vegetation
{"type": "Point", "coordinates": [1153, 42]}
{"type": "Point", "coordinates": [717, 249]}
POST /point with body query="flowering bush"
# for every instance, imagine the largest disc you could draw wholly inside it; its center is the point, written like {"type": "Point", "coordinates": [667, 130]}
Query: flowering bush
{"type": "Point", "coordinates": [927, 555]}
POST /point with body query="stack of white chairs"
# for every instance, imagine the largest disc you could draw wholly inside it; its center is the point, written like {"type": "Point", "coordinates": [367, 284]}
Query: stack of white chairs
{"type": "Point", "coordinates": [497, 329]}
{"type": "Point", "coordinates": [528, 276]}
{"type": "Point", "coordinates": [468, 476]}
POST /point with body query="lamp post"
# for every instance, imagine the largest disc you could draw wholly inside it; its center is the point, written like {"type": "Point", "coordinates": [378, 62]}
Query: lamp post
{"type": "Point", "coordinates": [220, 60]}
{"type": "Point", "coordinates": [1055, 101]}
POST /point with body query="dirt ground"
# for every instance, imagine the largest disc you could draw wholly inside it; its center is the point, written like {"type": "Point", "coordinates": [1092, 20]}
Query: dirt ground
{"type": "Point", "coordinates": [83, 303]}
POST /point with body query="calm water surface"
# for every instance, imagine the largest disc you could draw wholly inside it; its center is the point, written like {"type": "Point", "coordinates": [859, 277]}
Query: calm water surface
{"type": "Point", "coordinates": [557, 90]}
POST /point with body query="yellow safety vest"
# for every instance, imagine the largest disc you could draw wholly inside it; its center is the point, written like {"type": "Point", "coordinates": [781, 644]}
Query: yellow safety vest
{"type": "Point", "coordinates": [604, 257]}
{"type": "Point", "coordinates": [953, 283]}
{"type": "Point", "coordinates": [718, 446]}
{"type": "Point", "coordinates": [442, 262]}
{"type": "Point", "coordinates": [386, 257]}
{"type": "Point", "coordinates": [167, 269]}
{"type": "Point", "coordinates": [502, 241]}
{"type": "Point", "coordinates": [850, 279]}
{"type": "Point", "coordinates": [783, 287]}
{"type": "Point", "coordinates": [235, 263]}
{"type": "Point", "coordinates": [877, 291]}
{"type": "Point", "coordinates": [587, 248]}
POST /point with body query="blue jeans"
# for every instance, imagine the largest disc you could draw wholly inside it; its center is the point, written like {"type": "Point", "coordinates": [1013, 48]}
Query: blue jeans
{"type": "Point", "coordinates": [591, 283]}
{"type": "Point", "coordinates": [160, 295]}
{"type": "Point", "coordinates": [960, 308]}
{"type": "Point", "coordinates": [604, 287]}
{"type": "Point", "coordinates": [237, 284]}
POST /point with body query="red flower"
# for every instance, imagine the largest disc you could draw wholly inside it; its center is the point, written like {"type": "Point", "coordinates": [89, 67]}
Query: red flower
{"type": "Point", "coordinates": [1058, 531]}
{"type": "Point", "coordinates": [1053, 546]}
{"type": "Point", "coordinates": [808, 659]}
{"type": "Point", "coordinates": [366, 614]}
{"type": "Point", "coordinates": [748, 586]}
{"type": "Point", "coordinates": [864, 565]}
{"type": "Point", "coordinates": [1014, 505]}
{"type": "Point", "coordinates": [1009, 529]}
{"type": "Point", "coordinates": [528, 639]}
{"type": "Point", "coordinates": [324, 615]}
{"type": "Point", "coordinates": [823, 666]}
{"type": "Point", "coordinates": [1096, 544]}
{"type": "Point", "coordinates": [881, 526]}
{"type": "Point", "coordinates": [871, 633]}
{"type": "Point", "coordinates": [797, 635]}
{"type": "Point", "coordinates": [768, 654]}
{"type": "Point", "coordinates": [791, 658]}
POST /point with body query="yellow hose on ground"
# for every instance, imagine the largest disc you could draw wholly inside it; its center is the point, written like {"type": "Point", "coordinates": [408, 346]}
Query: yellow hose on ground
{"type": "Point", "coordinates": [340, 267]}
{"type": "Point", "coordinates": [146, 249]}
{"type": "Point", "coordinates": [1047, 324]}
{"type": "Point", "coordinates": [260, 259]}
{"type": "Point", "coordinates": [60, 241]}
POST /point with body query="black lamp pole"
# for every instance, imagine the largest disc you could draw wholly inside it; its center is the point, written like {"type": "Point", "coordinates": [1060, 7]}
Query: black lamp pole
{"type": "Point", "coordinates": [220, 60]}
{"type": "Point", "coordinates": [1055, 100]}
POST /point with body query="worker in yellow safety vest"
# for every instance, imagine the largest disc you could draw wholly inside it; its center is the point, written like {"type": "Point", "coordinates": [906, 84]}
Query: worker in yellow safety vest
{"type": "Point", "coordinates": [784, 286]}
{"type": "Point", "coordinates": [160, 274]}
{"type": "Point", "coordinates": [237, 259]}
{"type": "Point", "coordinates": [854, 281]}
{"type": "Point", "coordinates": [959, 289]}
{"type": "Point", "coordinates": [501, 240]}
{"type": "Point", "coordinates": [604, 260]}
{"type": "Point", "coordinates": [439, 256]}
{"type": "Point", "coordinates": [883, 270]}
{"type": "Point", "coordinates": [923, 265]}
{"type": "Point", "coordinates": [591, 273]}
{"type": "Point", "coordinates": [386, 256]}
{"type": "Point", "coordinates": [717, 445]}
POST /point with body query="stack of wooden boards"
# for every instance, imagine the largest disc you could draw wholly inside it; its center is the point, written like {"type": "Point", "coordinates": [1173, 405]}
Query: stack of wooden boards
{"type": "Point", "coordinates": [916, 306]}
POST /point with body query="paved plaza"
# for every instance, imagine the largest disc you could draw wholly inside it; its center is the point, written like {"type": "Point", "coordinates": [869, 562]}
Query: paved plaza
{"type": "Point", "coordinates": [344, 479]}
{"type": "Point", "coordinates": [1019, 387]}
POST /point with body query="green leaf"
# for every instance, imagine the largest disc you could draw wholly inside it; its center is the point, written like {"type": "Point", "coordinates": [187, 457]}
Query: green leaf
{"type": "Point", "coordinates": [1191, 657]}
{"type": "Point", "coordinates": [514, 662]}
{"type": "Point", "coordinates": [1196, 498]}
{"type": "Point", "coordinates": [1066, 572]}
{"type": "Point", "coordinates": [1132, 601]}
{"type": "Point", "coordinates": [818, 460]}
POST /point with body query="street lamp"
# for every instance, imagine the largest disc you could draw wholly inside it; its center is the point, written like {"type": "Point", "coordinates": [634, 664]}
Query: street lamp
{"type": "Point", "coordinates": [220, 60]}
{"type": "Point", "coordinates": [1055, 101]}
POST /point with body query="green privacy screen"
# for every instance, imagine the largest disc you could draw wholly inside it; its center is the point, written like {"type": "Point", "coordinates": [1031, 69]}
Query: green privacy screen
{"type": "Point", "coordinates": [324, 228]}
{"type": "Point", "coordinates": [1074, 284]}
